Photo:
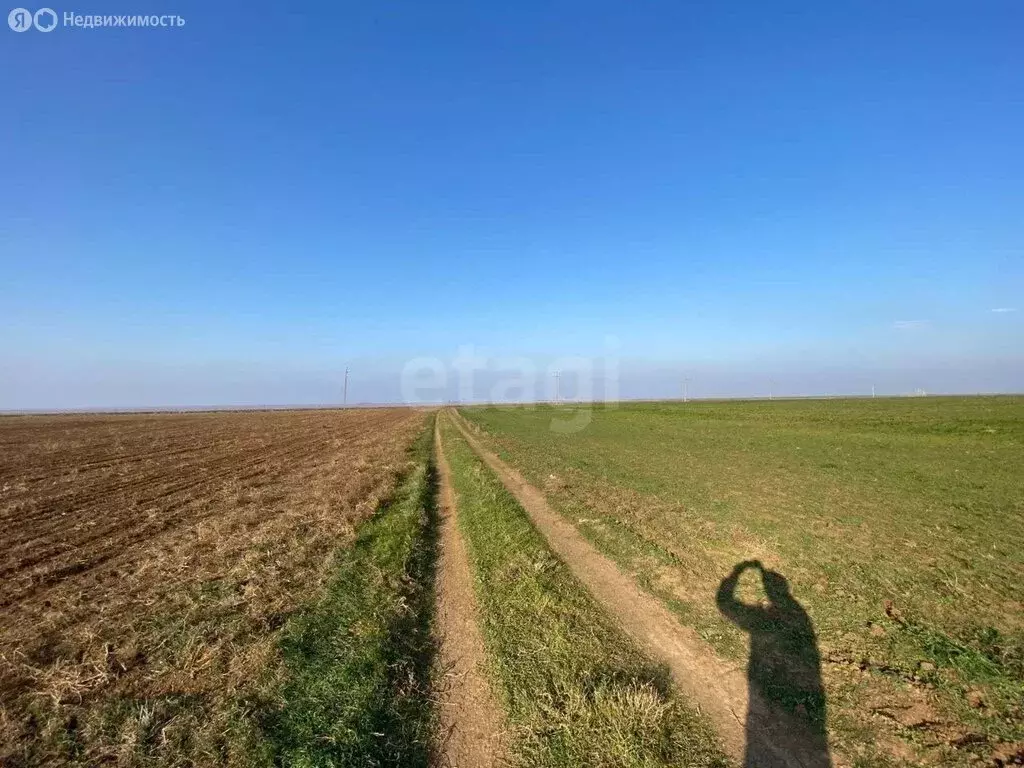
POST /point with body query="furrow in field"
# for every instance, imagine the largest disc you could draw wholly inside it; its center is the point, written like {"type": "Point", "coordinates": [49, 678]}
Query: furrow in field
{"type": "Point", "coordinates": [175, 503]}
{"type": "Point", "coordinates": [159, 489]}
{"type": "Point", "coordinates": [164, 481]}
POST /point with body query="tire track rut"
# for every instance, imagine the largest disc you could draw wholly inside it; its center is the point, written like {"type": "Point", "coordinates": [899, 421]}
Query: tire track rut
{"type": "Point", "coordinates": [472, 732]}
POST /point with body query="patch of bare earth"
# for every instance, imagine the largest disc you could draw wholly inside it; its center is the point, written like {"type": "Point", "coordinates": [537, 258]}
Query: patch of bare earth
{"type": "Point", "coordinates": [471, 722]}
{"type": "Point", "coordinates": [749, 727]}
{"type": "Point", "coordinates": [147, 563]}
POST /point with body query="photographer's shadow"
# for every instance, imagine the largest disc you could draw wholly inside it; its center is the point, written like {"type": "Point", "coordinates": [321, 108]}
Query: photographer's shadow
{"type": "Point", "coordinates": [786, 712]}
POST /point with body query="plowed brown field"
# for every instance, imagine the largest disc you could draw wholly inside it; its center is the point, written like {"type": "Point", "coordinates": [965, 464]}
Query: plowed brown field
{"type": "Point", "coordinates": [147, 561]}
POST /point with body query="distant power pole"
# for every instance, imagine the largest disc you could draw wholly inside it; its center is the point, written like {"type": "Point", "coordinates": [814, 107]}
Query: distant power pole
{"type": "Point", "coordinates": [771, 389]}
{"type": "Point", "coordinates": [344, 396]}
{"type": "Point", "coordinates": [686, 390]}
{"type": "Point", "coordinates": [558, 376]}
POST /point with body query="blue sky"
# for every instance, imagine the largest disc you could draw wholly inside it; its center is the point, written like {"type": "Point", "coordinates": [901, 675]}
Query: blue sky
{"type": "Point", "coordinates": [825, 195]}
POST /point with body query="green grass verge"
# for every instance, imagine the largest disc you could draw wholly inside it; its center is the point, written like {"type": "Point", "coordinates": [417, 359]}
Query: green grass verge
{"type": "Point", "coordinates": [577, 691]}
{"type": "Point", "coordinates": [895, 521]}
{"type": "Point", "coordinates": [358, 661]}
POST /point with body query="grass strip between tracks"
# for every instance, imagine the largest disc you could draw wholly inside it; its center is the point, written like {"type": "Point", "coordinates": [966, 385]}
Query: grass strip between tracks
{"type": "Point", "coordinates": [577, 691]}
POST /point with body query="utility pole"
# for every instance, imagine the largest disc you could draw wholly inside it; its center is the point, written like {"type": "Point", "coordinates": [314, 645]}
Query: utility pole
{"type": "Point", "coordinates": [686, 390]}
{"type": "Point", "coordinates": [771, 389]}
{"type": "Point", "coordinates": [558, 375]}
{"type": "Point", "coordinates": [344, 396]}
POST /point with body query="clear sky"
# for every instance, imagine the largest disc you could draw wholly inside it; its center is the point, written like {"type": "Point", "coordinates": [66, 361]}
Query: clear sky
{"type": "Point", "coordinates": [822, 195]}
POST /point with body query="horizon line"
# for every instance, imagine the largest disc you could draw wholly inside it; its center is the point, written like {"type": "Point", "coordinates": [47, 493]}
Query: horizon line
{"type": "Point", "coordinates": [183, 409]}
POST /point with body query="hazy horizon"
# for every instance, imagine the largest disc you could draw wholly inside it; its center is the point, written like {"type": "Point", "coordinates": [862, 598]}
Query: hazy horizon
{"type": "Point", "coordinates": [235, 386]}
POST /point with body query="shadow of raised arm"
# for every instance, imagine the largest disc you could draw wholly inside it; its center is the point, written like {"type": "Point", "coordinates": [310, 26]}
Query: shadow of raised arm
{"type": "Point", "coordinates": [743, 615]}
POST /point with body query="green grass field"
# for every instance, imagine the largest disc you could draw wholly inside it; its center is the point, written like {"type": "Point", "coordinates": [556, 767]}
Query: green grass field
{"type": "Point", "coordinates": [897, 522]}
